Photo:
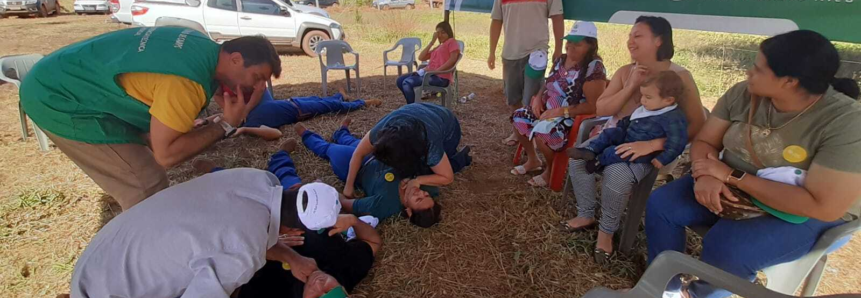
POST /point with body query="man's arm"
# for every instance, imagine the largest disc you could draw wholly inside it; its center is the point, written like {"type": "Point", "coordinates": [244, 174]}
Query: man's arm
{"type": "Point", "coordinates": [171, 147]}
{"type": "Point", "coordinates": [346, 204]}
{"type": "Point", "coordinates": [495, 32]}
{"type": "Point", "coordinates": [366, 233]}
{"type": "Point", "coordinates": [558, 22]}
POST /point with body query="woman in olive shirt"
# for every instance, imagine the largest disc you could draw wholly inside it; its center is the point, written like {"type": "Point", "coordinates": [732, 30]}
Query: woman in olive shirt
{"type": "Point", "coordinates": [798, 120]}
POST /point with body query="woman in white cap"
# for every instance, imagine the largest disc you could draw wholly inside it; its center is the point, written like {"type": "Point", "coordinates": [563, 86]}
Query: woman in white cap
{"type": "Point", "coordinates": [651, 46]}
{"type": "Point", "coordinates": [576, 80]}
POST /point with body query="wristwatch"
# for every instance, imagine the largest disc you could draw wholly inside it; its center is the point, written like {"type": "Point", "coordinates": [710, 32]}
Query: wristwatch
{"type": "Point", "coordinates": [229, 130]}
{"type": "Point", "coordinates": [565, 109]}
{"type": "Point", "coordinates": [736, 175]}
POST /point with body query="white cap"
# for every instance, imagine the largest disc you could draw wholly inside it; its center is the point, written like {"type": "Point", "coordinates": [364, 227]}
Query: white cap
{"type": "Point", "coordinates": [323, 205]}
{"type": "Point", "coordinates": [537, 64]}
{"type": "Point", "coordinates": [582, 29]}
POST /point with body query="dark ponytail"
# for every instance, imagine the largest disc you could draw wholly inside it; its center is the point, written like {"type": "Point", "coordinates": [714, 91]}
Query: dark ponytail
{"type": "Point", "coordinates": [804, 55]}
{"type": "Point", "coordinates": [846, 86]}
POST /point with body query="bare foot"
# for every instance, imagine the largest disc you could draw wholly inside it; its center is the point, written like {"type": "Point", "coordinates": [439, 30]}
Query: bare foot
{"type": "Point", "coordinates": [203, 166]}
{"type": "Point", "coordinates": [346, 122]}
{"type": "Point", "coordinates": [288, 146]}
{"type": "Point", "coordinates": [299, 128]}
{"type": "Point", "coordinates": [373, 102]}
{"type": "Point", "coordinates": [343, 93]}
{"type": "Point", "coordinates": [510, 140]}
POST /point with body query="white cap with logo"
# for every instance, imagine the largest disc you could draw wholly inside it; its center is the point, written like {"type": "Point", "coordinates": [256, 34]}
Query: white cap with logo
{"type": "Point", "coordinates": [322, 208]}
{"type": "Point", "coordinates": [582, 29]}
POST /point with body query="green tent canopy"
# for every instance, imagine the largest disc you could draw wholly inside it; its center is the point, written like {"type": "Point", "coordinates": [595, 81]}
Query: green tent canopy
{"type": "Point", "coordinates": [839, 20]}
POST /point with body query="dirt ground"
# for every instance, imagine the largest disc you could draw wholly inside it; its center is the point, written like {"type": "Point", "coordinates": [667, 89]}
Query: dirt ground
{"type": "Point", "coordinates": [499, 237]}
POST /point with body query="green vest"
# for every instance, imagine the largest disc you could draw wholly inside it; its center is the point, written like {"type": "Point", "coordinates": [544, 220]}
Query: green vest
{"type": "Point", "coordinates": [74, 93]}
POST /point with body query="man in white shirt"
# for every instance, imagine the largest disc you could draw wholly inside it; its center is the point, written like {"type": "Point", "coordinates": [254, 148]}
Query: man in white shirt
{"type": "Point", "coordinates": [202, 238]}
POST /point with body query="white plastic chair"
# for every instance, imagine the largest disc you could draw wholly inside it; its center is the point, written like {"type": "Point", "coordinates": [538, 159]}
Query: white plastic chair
{"type": "Point", "coordinates": [19, 66]}
{"type": "Point", "coordinates": [669, 264]}
{"type": "Point", "coordinates": [410, 46]}
{"type": "Point", "coordinates": [450, 91]}
{"type": "Point", "coordinates": [806, 272]}
{"type": "Point", "coordinates": [335, 50]}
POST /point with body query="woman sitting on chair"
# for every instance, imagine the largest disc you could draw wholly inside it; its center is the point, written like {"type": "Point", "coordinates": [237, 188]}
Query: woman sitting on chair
{"type": "Point", "coordinates": [789, 170]}
{"type": "Point", "coordinates": [442, 57]}
{"type": "Point", "coordinates": [576, 80]}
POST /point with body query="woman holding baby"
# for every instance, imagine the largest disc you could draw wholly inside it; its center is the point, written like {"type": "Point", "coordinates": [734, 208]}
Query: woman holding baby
{"type": "Point", "coordinates": [776, 164]}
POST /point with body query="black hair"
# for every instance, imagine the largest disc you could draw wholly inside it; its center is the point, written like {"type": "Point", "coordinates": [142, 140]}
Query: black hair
{"type": "Point", "coordinates": [255, 50]}
{"type": "Point", "coordinates": [426, 218]}
{"type": "Point", "coordinates": [847, 86]}
{"type": "Point", "coordinates": [445, 26]}
{"type": "Point", "coordinates": [590, 56]}
{"type": "Point", "coordinates": [402, 144]}
{"type": "Point", "coordinates": [661, 28]}
{"type": "Point", "coordinates": [804, 55]}
{"type": "Point", "coordinates": [289, 213]}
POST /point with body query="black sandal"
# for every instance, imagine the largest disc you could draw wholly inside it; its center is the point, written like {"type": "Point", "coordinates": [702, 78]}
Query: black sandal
{"type": "Point", "coordinates": [602, 257]}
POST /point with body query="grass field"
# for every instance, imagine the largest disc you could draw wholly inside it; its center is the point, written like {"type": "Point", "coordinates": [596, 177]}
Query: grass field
{"type": "Point", "coordinates": [499, 237]}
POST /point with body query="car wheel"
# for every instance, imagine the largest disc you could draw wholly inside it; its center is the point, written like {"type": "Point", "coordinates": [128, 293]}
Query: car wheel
{"type": "Point", "coordinates": [410, 6]}
{"type": "Point", "coordinates": [336, 4]}
{"type": "Point", "coordinates": [43, 11]}
{"type": "Point", "coordinates": [310, 41]}
{"type": "Point", "coordinates": [385, 7]}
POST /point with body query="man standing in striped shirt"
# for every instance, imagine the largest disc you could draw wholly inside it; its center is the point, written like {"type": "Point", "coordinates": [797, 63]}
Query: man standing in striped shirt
{"type": "Point", "coordinates": [525, 25]}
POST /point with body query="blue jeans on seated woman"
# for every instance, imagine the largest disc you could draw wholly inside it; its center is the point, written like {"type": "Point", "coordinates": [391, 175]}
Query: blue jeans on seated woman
{"type": "Point", "coordinates": [740, 247]}
{"type": "Point", "coordinates": [409, 81]}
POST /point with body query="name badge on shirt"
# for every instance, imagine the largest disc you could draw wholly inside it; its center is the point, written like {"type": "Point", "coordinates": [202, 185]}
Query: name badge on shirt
{"type": "Point", "coordinates": [390, 177]}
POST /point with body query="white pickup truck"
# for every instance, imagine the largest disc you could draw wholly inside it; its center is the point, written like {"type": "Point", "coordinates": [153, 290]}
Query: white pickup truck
{"type": "Point", "coordinates": [223, 20]}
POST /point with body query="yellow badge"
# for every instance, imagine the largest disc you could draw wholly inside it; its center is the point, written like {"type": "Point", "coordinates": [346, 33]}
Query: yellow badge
{"type": "Point", "coordinates": [390, 177]}
{"type": "Point", "coordinates": [794, 154]}
{"type": "Point", "coordinates": [285, 266]}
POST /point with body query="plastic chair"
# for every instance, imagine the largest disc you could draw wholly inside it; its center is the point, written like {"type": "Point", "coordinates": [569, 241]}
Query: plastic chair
{"type": "Point", "coordinates": [806, 272]}
{"type": "Point", "coordinates": [178, 22]}
{"type": "Point", "coordinates": [450, 91]}
{"type": "Point", "coordinates": [19, 66]}
{"type": "Point", "coordinates": [669, 264]}
{"type": "Point", "coordinates": [408, 55]}
{"type": "Point", "coordinates": [335, 50]}
{"type": "Point", "coordinates": [560, 159]}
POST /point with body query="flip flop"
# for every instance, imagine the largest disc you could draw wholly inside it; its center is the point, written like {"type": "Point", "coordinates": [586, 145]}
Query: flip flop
{"type": "Point", "coordinates": [521, 170]}
{"type": "Point", "coordinates": [509, 142]}
{"type": "Point", "coordinates": [602, 257]}
{"type": "Point", "coordinates": [537, 181]}
{"type": "Point", "coordinates": [571, 229]}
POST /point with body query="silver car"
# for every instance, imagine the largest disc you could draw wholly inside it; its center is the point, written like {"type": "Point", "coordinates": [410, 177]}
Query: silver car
{"type": "Point", "coordinates": [387, 4]}
{"type": "Point", "coordinates": [92, 6]}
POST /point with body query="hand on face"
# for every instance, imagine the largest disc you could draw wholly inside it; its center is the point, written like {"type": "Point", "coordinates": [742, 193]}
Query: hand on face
{"type": "Point", "coordinates": [319, 283]}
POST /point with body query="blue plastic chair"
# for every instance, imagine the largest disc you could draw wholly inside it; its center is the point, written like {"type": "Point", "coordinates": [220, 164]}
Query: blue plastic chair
{"type": "Point", "coordinates": [13, 69]}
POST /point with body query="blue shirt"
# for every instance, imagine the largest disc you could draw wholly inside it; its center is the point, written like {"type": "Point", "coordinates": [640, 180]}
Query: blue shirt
{"type": "Point", "coordinates": [441, 127]}
{"type": "Point", "coordinates": [382, 199]}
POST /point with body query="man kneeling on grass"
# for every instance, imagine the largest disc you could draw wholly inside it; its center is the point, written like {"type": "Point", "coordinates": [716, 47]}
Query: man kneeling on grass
{"type": "Point", "coordinates": [385, 191]}
{"type": "Point", "coordinates": [208, 236]}
{"type": "Point", "coordinates": [270, 114]}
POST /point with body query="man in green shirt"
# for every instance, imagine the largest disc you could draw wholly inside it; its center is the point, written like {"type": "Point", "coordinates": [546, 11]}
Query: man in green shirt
{"type": "Point", "coordinates": [122, 105]}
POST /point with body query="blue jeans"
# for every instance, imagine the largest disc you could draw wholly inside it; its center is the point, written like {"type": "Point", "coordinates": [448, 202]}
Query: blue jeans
{"type": "Point", "coordinates": [276, 113]}
{"type": "Point", "coordinates": [740, 247]}
{"type": "Point", "coordinates": [338, 153]}
{"type": "Point", "coordinates": [409, 81]}
{"type": "Point", "coordinates": [282, 166]}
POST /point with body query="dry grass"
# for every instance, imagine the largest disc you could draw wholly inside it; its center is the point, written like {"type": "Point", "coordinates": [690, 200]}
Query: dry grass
{"type": "Point", "coordinates": [499, 237]}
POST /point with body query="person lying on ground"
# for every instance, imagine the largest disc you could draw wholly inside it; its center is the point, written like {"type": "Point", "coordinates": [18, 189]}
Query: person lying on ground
{"type": "Point", "coordinates": [386, 193]}
{"type": "Point", "coordinates": [122, 105]}
{"type": "Point", "coordinates": [417, 140]}
{"type": "Point", "coordinates": [208, 236]}
{"type": "Point", "coordinates": [442, 57]}
{"type": "Point", "coordinates": [270, 114]}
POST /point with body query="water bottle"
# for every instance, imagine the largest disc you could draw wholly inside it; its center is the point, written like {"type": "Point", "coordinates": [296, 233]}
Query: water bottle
{"type": "Point", "coordinates": [471, 96]}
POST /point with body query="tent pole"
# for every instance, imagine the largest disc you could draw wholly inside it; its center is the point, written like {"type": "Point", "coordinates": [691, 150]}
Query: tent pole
{"type": "Point", "coordinates": [445, 16]}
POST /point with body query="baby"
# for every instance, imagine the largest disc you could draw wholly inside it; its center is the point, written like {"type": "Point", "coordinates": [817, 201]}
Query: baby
{"type": "Point", "coordinates": [658, 117]}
